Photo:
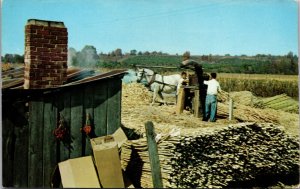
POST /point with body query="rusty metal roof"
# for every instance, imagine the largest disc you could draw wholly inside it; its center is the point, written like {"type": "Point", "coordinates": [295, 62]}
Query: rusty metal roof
{"type": "Point", "coordinates": [14, 79]}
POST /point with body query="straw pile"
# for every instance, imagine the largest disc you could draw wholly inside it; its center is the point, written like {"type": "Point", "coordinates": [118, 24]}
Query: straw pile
{"type": "Point", "coordinates": [135, 94]}
{"type": "Point", "coordinates": [246, 98]}
{"type": "Point", "coordinates": [214, 158]}
{"type": "Point", "coordinates": [136, 110]}
{"type": "Point", "coordinates": [246, 113]}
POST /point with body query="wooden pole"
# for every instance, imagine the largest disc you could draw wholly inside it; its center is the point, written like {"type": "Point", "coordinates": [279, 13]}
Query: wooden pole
{"type": "Point", "coordinates": [165, 67]}
{"type": "Point", "coordinates": [230, 109]}
{"type": "Point", "coordinates": [180, 101]}
{"type": "Point", "coordinates": [197, 103]}
{"type": "Point", "coordinates": [153, 156]}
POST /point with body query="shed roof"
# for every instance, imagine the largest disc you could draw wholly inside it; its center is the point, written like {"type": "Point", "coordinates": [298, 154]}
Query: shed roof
{"type": "Point", "coordinates": [14, 78]}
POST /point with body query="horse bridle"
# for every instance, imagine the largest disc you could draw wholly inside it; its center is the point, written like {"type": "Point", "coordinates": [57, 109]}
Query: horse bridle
{"type": "Point", "coordinates": [152, 79]}
{"type": "Point", "coordinates": [138, 80]}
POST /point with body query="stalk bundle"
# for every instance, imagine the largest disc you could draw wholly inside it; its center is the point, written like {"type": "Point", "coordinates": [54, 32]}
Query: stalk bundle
{"type": "Point", "coordinates": [214, 158]}
{"type": "Point", "coordinates": [282, 102]}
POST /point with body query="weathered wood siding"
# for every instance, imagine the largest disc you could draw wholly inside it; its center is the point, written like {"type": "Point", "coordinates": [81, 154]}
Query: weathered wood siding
{"type": "Point", "coordinates": [30, 150]}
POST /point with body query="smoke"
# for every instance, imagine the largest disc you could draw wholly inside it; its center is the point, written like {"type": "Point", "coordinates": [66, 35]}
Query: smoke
{"type": "Point", "coordinates": [71, 55]}
{"type": "Point", "coordinates": [130, 76]}
{"type": "Point", "coordinates": [87, 57]}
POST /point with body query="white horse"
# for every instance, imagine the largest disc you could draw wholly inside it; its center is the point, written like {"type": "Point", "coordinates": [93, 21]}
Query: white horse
{"type": "Point", "coordinates": [158, 83]}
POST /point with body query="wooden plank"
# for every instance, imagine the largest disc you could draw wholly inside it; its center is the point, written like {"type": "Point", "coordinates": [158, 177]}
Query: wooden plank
{"type": "Point", "coordinates": [21, 147]}
{"type": "Point", "coordinates": [100, 108]}
{"type": "Point", "coordinates": [7, 151]}
{"type": "Point", "coordinates": [35, 160]}
{"type": "Point", "coordinates": [64, 107]}
{"type": "Point", "coordinates": [76, 122]}
{"type": "Point", "coordinates": [197, 103]}
{"type": "Point", "coordinates": [153, 156]}
{"type": "Point", "coordinates": [88, 107]}
{"type": "Point", "coordinates": [49, 141]}
{"type": "Point", "coordinates": [165, 67]}
{"type": "Point", "coordinates": [114, 105]}
{"type": "Point", "coordinates": [180, 101]}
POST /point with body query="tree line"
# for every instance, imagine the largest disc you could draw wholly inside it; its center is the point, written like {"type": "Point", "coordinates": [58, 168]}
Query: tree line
{"type": "Point", "coordinates": [260, 63]}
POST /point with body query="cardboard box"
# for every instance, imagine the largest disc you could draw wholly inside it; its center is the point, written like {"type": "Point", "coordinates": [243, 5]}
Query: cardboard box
{"type": "Point", "coordinates": [79, 173]}
{"type": "Point", "coordinates": [119, 137]}
{"type": "Point", "coordinates": [107, 159]}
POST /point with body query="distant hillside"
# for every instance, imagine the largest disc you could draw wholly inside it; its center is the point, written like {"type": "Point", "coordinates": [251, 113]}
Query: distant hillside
{"type": "Point", "coordinates": [221, 64]}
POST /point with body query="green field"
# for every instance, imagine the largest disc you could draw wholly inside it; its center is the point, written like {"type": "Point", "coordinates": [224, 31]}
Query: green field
{"type": "Point", "coordinates": [221, 64]}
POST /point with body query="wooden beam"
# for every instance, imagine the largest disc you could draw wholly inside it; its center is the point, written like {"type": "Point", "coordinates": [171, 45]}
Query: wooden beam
{"type": "Point", "coordinates": [153, 156]}
{"type": "Point", "coordinates": [166, 67]}
{"type": "Point", "coordinates": [180, 101]}
{"type": "Point", "coordinates": [197, 103]}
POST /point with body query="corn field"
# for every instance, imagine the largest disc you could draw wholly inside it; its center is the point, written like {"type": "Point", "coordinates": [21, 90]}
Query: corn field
{"type": "Point", "coordinates": [261, 85]}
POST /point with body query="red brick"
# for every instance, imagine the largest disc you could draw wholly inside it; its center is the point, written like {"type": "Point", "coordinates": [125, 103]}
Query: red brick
{"type": "Point", "coordinates": [46, 53]}
{"type": "Point", "coordinates": [57, 29]}
{"type": "Point", "coordinates": [61, 41]}
{"type": "Point", "coordinates": [32, 57]}
{"type": "Point", "coordinates": [43, 32]}
{"type": "Point", "coordinates": [41, 82]}
{"type": "Point", "coordinates": [54, 32]}
{"type": "Point", "coordinates": [62, 46]}
{"type": "Point", "coordinates": [55, 50]}
{"type": "Point", "coordinates": [56, 82]}
{"type": "Point", "coordinates": [53, 41]}
{"type": "Point", "coordinates": [65, 38]}
{"type": "Point", "coordinates": [64, 55]}
{"type": "Point", "coordinates": [43, 74]}
{"type": "Point", "coordinates": [48, 78]}
{"type": "Point", "coordinates": [36, 44]}
{"type": "Point", "coordinates": [31, 48]}
{"type": "Point", "coordinates": [30, 30]}
{"type": "Point", "coordinates": [42, 49]}
{"type": "Point", "coordinates": [45, 58]}
{"type": "Point", "coordinates": [56, 58]}
{"type": "Point", "coordinates": [33, 61]}
{"type": "Point", "coordinates": [43, 40]}
{"type": "Point", "coordinates": [34, 36]}
{"type": "Point", "coordinates": [54, 74]}
{"type": "Point", "coordinates": [50, 36]}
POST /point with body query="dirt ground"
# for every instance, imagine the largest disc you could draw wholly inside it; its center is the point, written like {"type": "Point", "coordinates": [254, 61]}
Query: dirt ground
{"type": "Point", "coordinates": [136, 111]}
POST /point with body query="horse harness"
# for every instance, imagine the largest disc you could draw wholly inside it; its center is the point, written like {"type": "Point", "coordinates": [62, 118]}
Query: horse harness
{"type": "Point", "coordinates": [155, 81]}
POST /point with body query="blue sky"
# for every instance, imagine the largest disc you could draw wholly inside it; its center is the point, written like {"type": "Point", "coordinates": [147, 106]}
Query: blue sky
{"type": "Point", "coordinates": [174, 26]}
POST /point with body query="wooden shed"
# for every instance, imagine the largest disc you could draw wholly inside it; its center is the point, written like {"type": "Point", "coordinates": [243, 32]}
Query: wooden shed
{"type": "Point", "coordinates": [29, 117]}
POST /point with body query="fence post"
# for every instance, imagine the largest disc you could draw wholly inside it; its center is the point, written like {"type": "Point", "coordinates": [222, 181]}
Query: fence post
{"type": "Point", "coordinates": [153, 156]}
{"type": "Point", "coordinates": [180, 101]}
{"type": "Point", "coordinates": [197, 103]}
{"type": "Point", "coordinates": [230, 109]}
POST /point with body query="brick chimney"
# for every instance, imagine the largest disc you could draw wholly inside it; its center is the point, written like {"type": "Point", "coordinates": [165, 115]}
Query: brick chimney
{"type": "Point", "coordinates": [46, 54]}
